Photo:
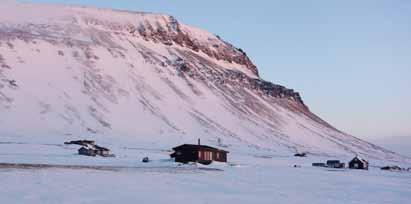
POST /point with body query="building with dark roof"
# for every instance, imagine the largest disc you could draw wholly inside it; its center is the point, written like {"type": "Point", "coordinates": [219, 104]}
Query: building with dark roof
{"type": "Point", "coordinates": [198, 153]}
{"type": "Point", "coordinates": [358, 163]}
{"type": "Point", "coordinates": [335, 164]}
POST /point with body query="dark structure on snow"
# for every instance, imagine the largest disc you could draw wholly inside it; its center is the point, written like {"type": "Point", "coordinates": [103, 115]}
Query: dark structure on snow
{"type": "Point", "coordinates": [87, 152]}
{"type": "Point", "coordinates": [358, 163]}
{"type": "Point", "coordinates": [391, 168]}
{"type": "Point", "coordinates": [81, 142]}
{"type": "Point", "coordinates": [146, 160]}
{"type": "Point", "coordinates": [102, 151]}
{"type": "Point", "coordinates": [94, 150]}
{"type": "Point", "coordinates": [300, 154]}
{"type": "Point", "coordinates": [319, 164]}
{"type": "Point", "coordinates": [335, 164]}
{"type": "Point", "coordinates": [89, 148]}
{"type": "Point", "coordinates": [198, 153]}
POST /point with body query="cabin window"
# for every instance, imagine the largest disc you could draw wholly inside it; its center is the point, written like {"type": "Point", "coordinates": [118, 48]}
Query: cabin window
{"type": "Point", "coordinates": [208, 156]}
{"type": "Point", "coordinates": [218, 155]}
{"type": "Point", "coordinates": [199, 154]}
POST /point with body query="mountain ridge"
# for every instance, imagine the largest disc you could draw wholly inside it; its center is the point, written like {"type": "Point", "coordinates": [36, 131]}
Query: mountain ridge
{"type": "Point", "coordinates": [79, 70]}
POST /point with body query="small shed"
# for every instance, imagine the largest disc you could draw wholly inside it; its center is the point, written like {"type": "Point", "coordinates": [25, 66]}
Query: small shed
{"type": "Point", "coordinates": [335, 164]}
{"type": "Point", "coordinates": [319, 164]}
{"type": "Point", "coordinates": [102, 151]}
{"type": "Point", "coordinates": [198, 153]}
{"type": "Point", "coordinates": [89, 148]}
{"type": "Point", "coordinates": [94, 150]}
{"type": "Point", "coordinates": [86, 151]}
{"type": "Point", "coordinates": [358, 163]}
{"type": "Point", "coordinates": [303, 154]}
{"type": "Point", "coordinates": [81, 142]}
{"type": "Point", "coordinates": [391, 168]}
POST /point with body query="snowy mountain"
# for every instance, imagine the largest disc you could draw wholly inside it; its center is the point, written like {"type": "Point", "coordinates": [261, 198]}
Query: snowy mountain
{"type": "Point", "coordinates": [82, 72]}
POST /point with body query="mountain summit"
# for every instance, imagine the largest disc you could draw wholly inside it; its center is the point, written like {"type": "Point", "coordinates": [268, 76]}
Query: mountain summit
{"type": "Point", "coordinates": [81, 71]}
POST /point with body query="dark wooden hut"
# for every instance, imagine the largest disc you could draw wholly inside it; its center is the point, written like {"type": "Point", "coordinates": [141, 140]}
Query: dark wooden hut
{"type": "Point", "coordinates": [358, 163]}
{"type": "Point", "coordinates": [89, 148]}
{"type": "Point", "coordinates": [391, 168]}
{"type": "Point", "coordinates": [303, 154]}
{"type": "Point", "coordinates": [319, 164]}
{"type": "Point", "coordinates": [198, 153]}
{"type": "Point", "coordinates": [94, 150]}
{"type": "Point", "coordinates": [102, 151]}
{"type": "Point", "coordinates": [87, 151]}
{"type": "Point", "coordinates": [81, 142]}
{"type": "Point", "coordinates": [335, 164]}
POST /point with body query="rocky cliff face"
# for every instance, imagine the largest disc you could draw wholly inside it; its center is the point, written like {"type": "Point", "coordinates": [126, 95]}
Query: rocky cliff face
{"type": "Point", "coordinates": [162, 29]}
{"type": "Point", "coordinates": [71, 71]}
{"type": "Point", "coordinates": [176, 33]}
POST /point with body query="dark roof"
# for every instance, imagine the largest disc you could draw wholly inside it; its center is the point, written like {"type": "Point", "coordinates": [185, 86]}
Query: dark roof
{"type": "Point", "coordinates": [193, 146]}
{"type": "Point", "coordinates": [357, 158]}
{"type": "Point", "coordinates": [333, 161]}
{"type": "Point", "coordinates": [101, 148]}
{"type": "Point", "coordinates": [81, 142]}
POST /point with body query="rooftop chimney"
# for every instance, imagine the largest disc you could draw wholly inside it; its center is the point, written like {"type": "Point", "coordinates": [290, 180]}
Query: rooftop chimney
{"type": "Point", "coordinates": [198, 141]}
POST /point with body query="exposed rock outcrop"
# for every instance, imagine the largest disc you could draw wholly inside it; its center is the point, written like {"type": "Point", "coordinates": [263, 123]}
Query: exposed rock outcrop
{"type": "Point", "coordinates": [148, 78]}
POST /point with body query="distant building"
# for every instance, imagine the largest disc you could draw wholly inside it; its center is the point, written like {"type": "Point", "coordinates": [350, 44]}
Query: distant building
{"type": "Point", "coordinates": [319, 164]}
{"type": "Point", "coordinates": [87, 151]}
{"type": "Point", "coordinates": [198, 153]}
{"type": "Point", "coordinates": [335, 164]}
{"type": "Point", "coordinates": [94, 150]}
{"type": "Point", "coordinates": [358, 163]}
{"type": "Point", "coordinates": [391, 168]}
{"type": "Point", "coordinates": [81, 142]}
{"type": "Point", "coordinates": [300, 154]}
{"type": "Point", "coordinates": [102, 151]}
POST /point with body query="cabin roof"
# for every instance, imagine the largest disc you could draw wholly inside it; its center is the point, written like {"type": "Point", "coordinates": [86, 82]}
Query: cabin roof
{"type": "Point", "coordinates": [196, 147]}
{"type": "Point", "coordinates": [333, 161]}
{"type": "Point", "coordinates": [359, 159]}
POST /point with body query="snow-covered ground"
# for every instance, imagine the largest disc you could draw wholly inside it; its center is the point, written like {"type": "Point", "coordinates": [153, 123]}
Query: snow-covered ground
{"type": "Point", "coordinates": [141, 83]}
{"type": "Point", "coordinates": [249, 177]}
{"type": "Point", "coordinates": [142, 77]}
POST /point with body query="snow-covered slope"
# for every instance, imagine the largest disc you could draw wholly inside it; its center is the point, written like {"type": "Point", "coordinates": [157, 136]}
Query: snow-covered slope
{"type": "Point", "coordinates": [70, 72]}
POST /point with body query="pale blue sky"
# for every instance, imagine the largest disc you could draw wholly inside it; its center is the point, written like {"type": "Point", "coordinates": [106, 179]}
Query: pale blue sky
{"type": "Point", "coordinates": [351, 59]}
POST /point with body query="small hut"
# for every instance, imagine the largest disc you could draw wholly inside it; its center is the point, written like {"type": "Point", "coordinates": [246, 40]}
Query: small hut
{"type": "Point", "coordinates": [391, 168]}
{"type": "Point", "coordinates": [303, 154]}
{"type": "Point", "coordinates": [102, 151]}
{"type": "Point", "coordinates": [358, 163]}
{"type": "Point", "coordinates": [335, 164]}
{"type": "Point", "coordinates": [198, 153]}
{"type": "Point", "coordinates": [87, 151]}
{"type": "Point", "coordinates": [81, 142]}
{"type": "Point", "coordinates": [319, 164]}
{"type": "Point", "coordinates": [89, 148]}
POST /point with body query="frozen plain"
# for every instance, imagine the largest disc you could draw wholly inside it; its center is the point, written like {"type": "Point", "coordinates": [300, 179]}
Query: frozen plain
{"type": "Point", "coordinates": [250, 177]}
